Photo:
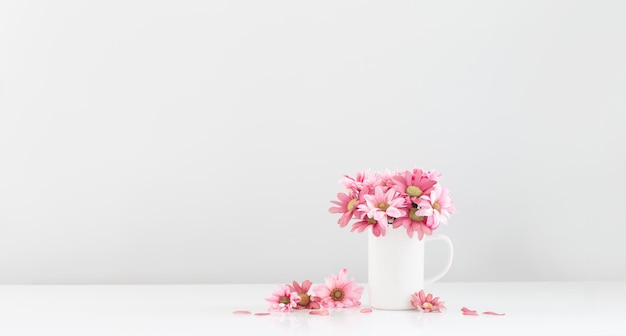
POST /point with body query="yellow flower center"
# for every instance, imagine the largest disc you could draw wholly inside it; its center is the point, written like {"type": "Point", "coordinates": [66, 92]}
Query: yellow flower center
{"type": "Point", "coordinates": [415, 217]}
{"type": "Point", "coordinates": [284, 299]}
{"type": "Point", "coordinates": [437, 206]}
{"type": "Point", "coordinates": [371, 220]}
{"type": "Point", "coordinates": [383, 206]}
{"type": "Point", "coordinates": [337, 294]}
{"type": "Point", "coordinates": [351, 204]}
{"type": "Point", "coordinates": [413, 191]}
{"type": "Point", "coordinates": [427, 305]}
{"type": "Point", "coordinates": [304, 299]}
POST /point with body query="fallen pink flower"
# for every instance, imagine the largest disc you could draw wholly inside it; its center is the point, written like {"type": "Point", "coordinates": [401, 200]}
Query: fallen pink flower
{"type": "Point", "coordinates": [493, 313]}
{"type": "Point", "coordinates": [306, 301]}
{"type": "Point", "coordinates": [339, 292]}
{"type": "Point", "coordinates": [261, 314]}
{"type": "Point", "coordinates": [283, 299]}
{"type": "Point", "coordinates": [427, 303]}
{"type": "Point", "coordinates": [366, 310]}
{"type": "Point", "coordinates": [242, 312]}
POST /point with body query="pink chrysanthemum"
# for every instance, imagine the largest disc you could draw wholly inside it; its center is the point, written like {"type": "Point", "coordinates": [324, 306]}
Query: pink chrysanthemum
{"type": "Point", "coordinates": [283, 299]}
{"type": "Point", "coordinates": [306, 301]}
{"type": "Point", "coordinates": [413, 224]}
{"type": "Point", "coordinates": [339, 292]}
{"type": "Point", "coordinates": [383, 206]}
{"type": "Point", "coordinates": [436, 207]}
{"type": "Point", "coordinates": [347, 206]}
{"type": "Point", "coordinates": [427, 303]}
{"type": "Point", "coordinates": [413, 184]}
{"type": "Point", "coordinates": [378, 229]}
{"type": "Point", "coordinates": [363, 180]}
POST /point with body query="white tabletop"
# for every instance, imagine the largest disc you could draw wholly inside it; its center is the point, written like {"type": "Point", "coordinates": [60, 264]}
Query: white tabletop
{"type": "Point", "coordinates": [532, 308]}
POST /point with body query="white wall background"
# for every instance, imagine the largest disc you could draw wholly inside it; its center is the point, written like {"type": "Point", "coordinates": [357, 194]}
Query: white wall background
{"type": "Point", "coordinates": [202, 141]}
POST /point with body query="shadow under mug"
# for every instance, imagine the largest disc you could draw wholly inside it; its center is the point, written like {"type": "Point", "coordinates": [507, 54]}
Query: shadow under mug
{"type": "Point", "coordinates": [396, 267]}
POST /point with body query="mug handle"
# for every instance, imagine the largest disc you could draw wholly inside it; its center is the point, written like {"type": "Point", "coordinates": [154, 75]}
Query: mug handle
{"type": "Point", "coordinates": [439, 275]}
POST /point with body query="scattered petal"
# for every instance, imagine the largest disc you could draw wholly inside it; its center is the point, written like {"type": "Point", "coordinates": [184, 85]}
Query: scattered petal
{"type": "Point", "coordinates": [261, 314]}
{"type": "Point", "coordinates": [322, 312]}
{"type": "Point", "coordinates": [469, 312]}
{"type": "Point", "coordinates": [493, 313]}
{"type": "Point", "coordinates": [242, 312]}
{"type": "Point", "coordinates": [366, 310]}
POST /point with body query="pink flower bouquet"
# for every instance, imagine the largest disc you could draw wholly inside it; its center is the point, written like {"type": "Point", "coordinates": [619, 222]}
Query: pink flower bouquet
{"type": "Point", "coordinates": [412, 199]}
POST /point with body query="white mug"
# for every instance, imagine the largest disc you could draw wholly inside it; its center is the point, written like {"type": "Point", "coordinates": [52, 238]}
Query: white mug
{"type": "Point", "coordinates": [396, 268]}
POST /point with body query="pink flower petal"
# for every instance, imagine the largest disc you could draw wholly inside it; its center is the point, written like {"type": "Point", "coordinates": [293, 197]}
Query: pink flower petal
{"type": "Point", "coordinates": [366, 310]}
{"type": "Point", "coordinates": [394, 212]}
{"type": "Point", "coordinates": [261, 314]}
{"type": "Point", "coordinates": [322, 312]}
{"type": "Point", "coordinates": [467, 311]}
{"type": "Point", "coordinates": [345, 219]}
{"type": "Point", "coordinates": [493, 313]}
{"type": "Point", "coordinates": [242, 312]}
{"type": "Point", "coordinates": [321, 291]}
{"type": "Point", "coordinates": [342, 276]}
{"type": "Point", "coordinates": [296, 287]}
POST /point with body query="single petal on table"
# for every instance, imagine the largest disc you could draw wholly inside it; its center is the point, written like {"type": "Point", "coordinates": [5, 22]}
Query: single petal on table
{"type": "Point", "coordinates": [322, 312]}
{"type": "Point", "coordinates": [467, 311]}
{"type": "Point", "coordinates": [242, 312]}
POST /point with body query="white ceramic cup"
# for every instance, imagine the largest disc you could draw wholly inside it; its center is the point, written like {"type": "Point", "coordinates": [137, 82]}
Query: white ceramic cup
{"type": "Point", "coordinates": [396, 268]}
